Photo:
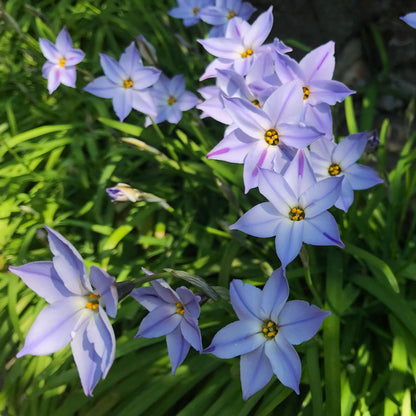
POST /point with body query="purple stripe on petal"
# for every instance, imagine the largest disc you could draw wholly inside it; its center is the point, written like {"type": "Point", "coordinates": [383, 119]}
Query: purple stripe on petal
{"type": "Point", "coordinates": [338, 243]}
{"type": "Point", "coordinates": [218, 152]}
{"type": "Point", "coordinates": [300, 163]}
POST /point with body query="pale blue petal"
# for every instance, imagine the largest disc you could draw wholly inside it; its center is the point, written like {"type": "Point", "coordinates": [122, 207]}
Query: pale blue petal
{"type": "Point", "coordinates": [328, 91]}
{"type": "Point", "coordinates": [54, 76]}
{"type": "Point", "coordinates": [299, 173]}
{"type": "Point", "coordinates": [87, 360]}
{"type": "Point", "coordinates": [346, 197]}
{"type": "Point", "coordinates": [277, 190]}
{"type": "Point", "coordinates": [320, 117]}
{"type": "Point", "coordinates": [259, 30]}
{"type": "Point", "coordinates": [321, 196]}
{"type": "Point", "coordinates": [159, 322]}
{"type": "Point", "coordinates": [145, 77]}
{"type": "Point", "coordinates": [104, 284]}
{"type": "Point", "coordinates": [349, 150]}
{"type": "Point", "coordinates": [52, 328]}
{"type": "Point", "coordinates": [233, 147]}
{"type": "Point", "coordinates": [289, 238]}
{"type": "Point", "coordinates": [274, 295]}
{"type": "Point", "coordinates": [130, 60]}
{"type": "Point", "coordinates": [285, 105]}
{"type": "Point", "coordinates": [73, 57]}
{"type": "Point", "coordinates": [323, 148]}
{"type": "Point", "coordinates": [250, 119]}
{"type": "Point", "coordinates": [187, 101]}
{"type": "Point", "coordinates": [410, 19]}
{"type": "Point", "coordinates": [191, 332]}
{"type": "Point", "coordinates": [237, 338]}
{"type": "Point", "coordinates": [223, 47]}
{"type": "Point", "coordinates": [113, 70]}
{"type": "Point", "coordinates": [142, 101]}
{"type": "Point", "coordinates": [362, 177]}
{"type": "Point", "coordinates": [165, 292]}
{"type": "Point", "coordinates": [147, 297]}
{"type": "Point", "coordinates": [299, 321]}
{"type": "Point", "coordinates": [285, 361]}
{"type": "Point", "coordinates": [260, 155]}
{"type": "Point", "coordinates": [42, 278]}
{"type": "Point", "coordinates": [178, 348]}
{"type": "Point", "coordinates": [102, 87]}
{"type": "Point", "coordinates": [260, 221]}
{"type": "Point", "coordinates": [63, 41]}
{"type": "Point", "coordinates": [319, 63]}
{"type": "Point", "coordinates": [255, 371]}
{"type": "Point", "coordinates": [68, 76]}
{"type": "Point", "coordinates": [297, 135]}
{"type": "Point", "coordinates": [246, 300]}
{"type": "Point", "coordinates": [68, 264]}
{"type": "Point", "coordinates": [49, 51]}
{"type": "Point", "coordinates": [322, 230]}
{"type": "Point", "coordinates": [122, 102]}
{"type": "Point", "coordinates": [101, 334]}
{"type": "Point", "coordinates": [189, 301]}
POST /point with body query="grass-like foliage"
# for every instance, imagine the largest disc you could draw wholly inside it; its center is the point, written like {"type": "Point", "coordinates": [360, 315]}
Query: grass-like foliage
{"type": "Point", "coordinates": [60, 152]}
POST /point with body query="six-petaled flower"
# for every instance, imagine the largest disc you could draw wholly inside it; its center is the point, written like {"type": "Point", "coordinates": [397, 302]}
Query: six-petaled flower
{"type": "Point", "coordinates": [77, 313]}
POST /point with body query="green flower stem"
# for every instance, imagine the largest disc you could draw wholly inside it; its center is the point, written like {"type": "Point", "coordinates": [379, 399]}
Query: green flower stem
{"type": "Point", "coordinates": [331, 334]}
{"type": "Point", "coordinates": [304, 257]}
{"type": "Point", "coordinates": [312, 363]}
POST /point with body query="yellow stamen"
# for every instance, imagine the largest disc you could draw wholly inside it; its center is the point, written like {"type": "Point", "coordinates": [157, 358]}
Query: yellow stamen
{"type": "Point", "coordinates": [334, 169]}
{"type": "Point", "coordinates": [231, 14]}
{"type": "Point", "coordinates": [62, 62]}
{"type": "Point", "coordinates": [247, 53]}
{"type": "Point", "coordinates": [195, 10]}
{"type": "Point", "coordinates": [127, 83]}
{"type": "Point", "coordinates": [179, 308]}
{"type": "Point", "coordinates": [306, 92]}
{"type": "Point", "coordinates": [256, 103]}
{"type": "Point", "coordinates": [271, 137]}
{"type": "Point", "coordinates": [269, 329]}
{"type": "Point", "coordinates": [297, 214]}
{"type": "Point", "coordinates": [94, 296]}
{"type": "Point", "coordinates": [171, 100]}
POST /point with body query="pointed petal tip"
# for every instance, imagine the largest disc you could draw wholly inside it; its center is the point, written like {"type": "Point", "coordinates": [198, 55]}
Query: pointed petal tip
{"type": "Point", "coordinates": [208, 350]}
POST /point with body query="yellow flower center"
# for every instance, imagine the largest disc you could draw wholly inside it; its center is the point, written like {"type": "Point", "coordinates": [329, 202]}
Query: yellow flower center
{"type": "Point", "coordinates": [247, 53]}
{"type": "Point", "coordinates": [272, 137]}
{"type": "Point", "coordinates": [93, 302]}
{"type": "Point", "coordinates": [179, 308]}
{"type": "Point", "coordinates": [62, 62]}
{"type": "Point", "coordinates": [334, 169]}
{"type": "Point", "coordinates": [306, 92]}
{"type": "Point", "coordinates": [256, 103]}
{"type": "Point", "coordinates": [297, 214]}
{"type": "Point", "coordinates": [195, 10]}
{"type": "Point", "coordinates": [171, 100]}
{"type": "Point", "coordinates": [231, 14]}
{"type": "Point", "coordinates": [127, 83]}
{"type": "Point", "coordinates": [269, 329]}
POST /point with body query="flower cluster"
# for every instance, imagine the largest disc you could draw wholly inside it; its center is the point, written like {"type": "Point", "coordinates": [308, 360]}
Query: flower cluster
{"type": "Point", "coordinates": [277, 114]}
{"type": "Point", "coordinates": [279, 125]}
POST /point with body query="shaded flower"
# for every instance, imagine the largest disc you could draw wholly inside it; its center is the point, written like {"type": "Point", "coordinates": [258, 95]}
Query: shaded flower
{"type": "Point", "coordinates": [126, 82]}
{"type": "Point", "coordinates": [296, 211]}
{"type": "Point", "coordinates": [222, 12]}
{"type": "Point", "coordinates": [171, 99]}
{"type": "Point", "coordinates": [265, 333]}
{"type": "Point", "coordinates": [61, 60]}
{"type": "Point", "coordinates": [189, 10]}
{"type": "Point", "coordinates": [123, 192]}
{"type": "Point", "coordinates": [171, 313]}
{"type": "Point", "coordinates": [329, 159]}
{"type": "Point", "coordinates": [410, 19]}
{"type": "Point", "coordinates": [77, 312]}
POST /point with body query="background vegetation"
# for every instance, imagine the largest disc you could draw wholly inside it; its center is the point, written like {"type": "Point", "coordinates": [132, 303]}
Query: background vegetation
{"type": "Point", "coordinates": [58, 153]}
